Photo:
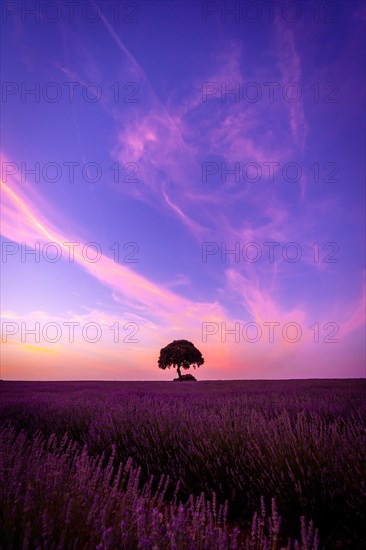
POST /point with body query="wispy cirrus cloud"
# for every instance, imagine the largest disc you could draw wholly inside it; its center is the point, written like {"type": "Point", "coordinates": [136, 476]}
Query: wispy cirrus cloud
{"type": "Point", "coordinates": [169, 140]}
{"type": "Point", "coordinates": [290, 66]}
{"type": "Point", "coordinates": [139, 299]}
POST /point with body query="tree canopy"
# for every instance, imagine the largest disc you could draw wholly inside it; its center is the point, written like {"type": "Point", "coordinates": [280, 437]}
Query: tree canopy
{"type": "Point", "coordinates": [180, 354]}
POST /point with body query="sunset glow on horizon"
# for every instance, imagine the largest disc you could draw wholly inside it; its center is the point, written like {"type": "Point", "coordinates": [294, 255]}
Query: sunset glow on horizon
{"type": "Point", "coordinates": [171, 171]}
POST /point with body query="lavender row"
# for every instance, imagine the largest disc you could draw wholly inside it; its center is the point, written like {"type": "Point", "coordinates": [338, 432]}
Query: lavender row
{"type": "Point", "coordinates": [300, 442]}
{"type": "Point", "coordinates": [54, 495]}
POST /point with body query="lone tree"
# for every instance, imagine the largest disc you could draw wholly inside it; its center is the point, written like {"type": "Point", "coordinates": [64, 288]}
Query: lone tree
{"type": "Point", "coordinates": [180, 354]}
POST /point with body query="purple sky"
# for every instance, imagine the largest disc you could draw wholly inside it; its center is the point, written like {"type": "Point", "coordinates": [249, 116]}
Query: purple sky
{"type": "Point", "coordinates": [168, 134]}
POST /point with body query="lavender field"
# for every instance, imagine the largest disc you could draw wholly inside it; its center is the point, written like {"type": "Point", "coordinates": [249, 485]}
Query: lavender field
{"type": "Point", "coordinates": [198, 465]}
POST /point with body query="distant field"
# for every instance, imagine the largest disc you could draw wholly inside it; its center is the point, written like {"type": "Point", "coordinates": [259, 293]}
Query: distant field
{"type": "Point", "coordinates": [77, 460]}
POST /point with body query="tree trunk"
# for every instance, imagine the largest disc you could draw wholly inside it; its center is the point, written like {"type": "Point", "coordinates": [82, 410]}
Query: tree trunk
{"type": "Point", "coordinates": [178, 370]}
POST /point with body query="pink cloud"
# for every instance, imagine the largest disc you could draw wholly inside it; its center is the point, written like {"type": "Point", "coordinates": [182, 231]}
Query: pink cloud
{"type": "Point", "coordinates": [356, 317]}
{"type": "Point", "coordinates": [141, 298]}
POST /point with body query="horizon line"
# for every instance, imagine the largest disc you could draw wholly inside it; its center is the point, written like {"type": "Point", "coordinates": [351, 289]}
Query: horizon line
{"type": "Point", "coordinates": [204, 380]}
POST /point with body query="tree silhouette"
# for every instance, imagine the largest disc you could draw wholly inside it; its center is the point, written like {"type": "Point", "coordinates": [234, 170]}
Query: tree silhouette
{"type": "Point", "coordinates": [180, 354]}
